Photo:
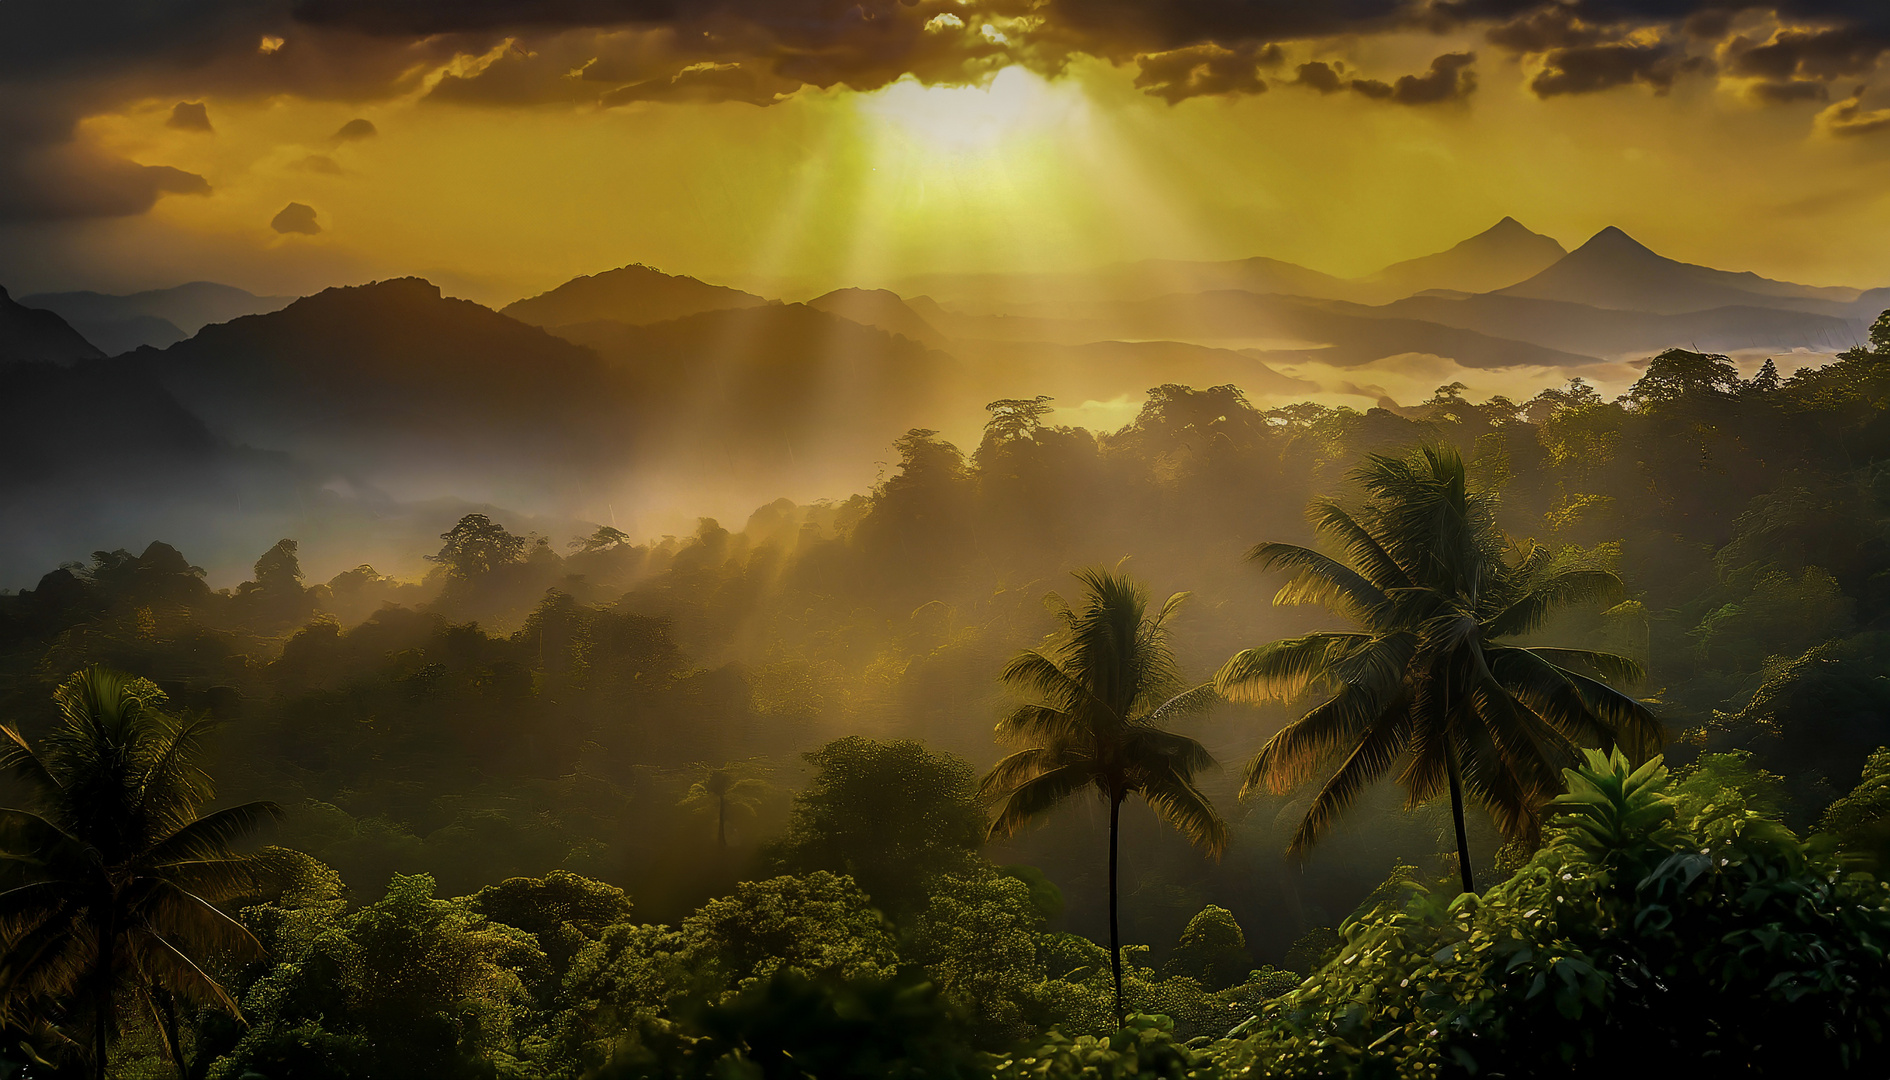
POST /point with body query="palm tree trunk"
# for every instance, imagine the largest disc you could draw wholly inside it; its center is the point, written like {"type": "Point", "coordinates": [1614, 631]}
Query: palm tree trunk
{"type": "Point", "coordinates": [1456, 810]}
{"type": "Point", "coordinates": [1115, 942]}
{"type": "Point", "coordinates": [102, 990]}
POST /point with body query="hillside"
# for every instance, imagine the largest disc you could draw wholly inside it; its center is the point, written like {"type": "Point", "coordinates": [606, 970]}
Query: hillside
{"type": "Point", "coordinates": [636, 295]}
{"type": "Point", "coordinates": [30, 335]}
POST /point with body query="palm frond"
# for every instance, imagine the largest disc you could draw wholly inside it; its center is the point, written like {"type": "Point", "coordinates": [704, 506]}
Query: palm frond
{"type": "Point", "coordinates": [213, 833]}
{"type": "Point", "coordinates": [1319, 579]}
{"type": "Point", "coordinates": [1370, 757]}
{"type": "Point", "coordinates": [1180, 803]}
{"type": "Point", "coordinates": [1281, 670]}
{"type": "Point", "coordinates": [1037, 796]}
{"type": "Point", "coordinates": [1528, 612]}
{"type": "Point", "coordinates": [1607, 665]}
{"type": "Point", "coordinates": [1287, 759]}
{"type": "Point", "coordinates": [1367, 551]}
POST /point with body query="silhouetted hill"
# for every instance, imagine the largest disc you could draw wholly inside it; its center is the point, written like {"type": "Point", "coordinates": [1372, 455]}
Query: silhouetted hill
{"type": "Point", "coordinates": [882, 308]}
{"type": "Point", "coordinates": [1501, 255]}
{"type": "Point", "coordinates": [1613, 270]}
{"type": "Point", "coordinates": [635, 294]}
{"type": "Point", "coordinates": [1008, 293]}
{"type": "Point", "coordinates": [1338, 334]}
{"type": "Point", "coordinates": [1616, 333]}
{"type": "Point", "coordinates": [398, 386]}
{"type": "Point", "coordinates": [31, 335]}
{"type": "Point", "coordinates": [157, 317]}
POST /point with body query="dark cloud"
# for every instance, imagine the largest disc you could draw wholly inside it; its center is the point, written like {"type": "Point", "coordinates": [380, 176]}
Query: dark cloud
{"type": "Point", "coordinates": [1552, 27]}
{"type": "Point", "coordinates": [1321, 76]}
{"type": "Point", "coordinates": [1849, 119]}
{"type": "Point", "coordinates": [356, 129]}
{"type": "Point", "coordinates": [1584, 69]}
{"type": "Point", "coordinates": [1834, 53]}
{"type": "Point", "coordinates": [1197, 70]}
{"type": "Point", "coordinates": [189, 116]}
{"type": "Point", "coordinates": [1449, 78]}
{"type": "Point", "coordinates": [296, 218]}
{"type": "Point", "coordinates": [65, 182]}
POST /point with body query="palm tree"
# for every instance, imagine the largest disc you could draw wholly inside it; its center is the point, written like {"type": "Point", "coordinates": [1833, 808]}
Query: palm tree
{"type": "Point", "coordinates": [1101, 690]}
{"type": "Point", "coordinates": [1431, 676]}
{"type": "Point", "coordinates": [112, 880]}
{"type": "Point", "coordinates": [723, 790]}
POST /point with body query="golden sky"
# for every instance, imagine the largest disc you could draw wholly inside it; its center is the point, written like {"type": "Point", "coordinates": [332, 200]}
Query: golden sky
{"type": "Point", "coordinates": [1035, 166]}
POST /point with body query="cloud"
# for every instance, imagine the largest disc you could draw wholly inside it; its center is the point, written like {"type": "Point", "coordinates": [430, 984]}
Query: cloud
{"type": "Point", "coordinates": [1849, 118]}
{"type": "Point", "coordinates": [296, 218]}
{"type": "Point", "coordinates": [189, 116]}
{"type": "Point", "coordinates": [65, 181]}
{"type": "Point", "coordinates": [1787, 91]}
{"type": "Point", "coordinates": [1179, 74]}
{"type": "Point", "coordinates": [1553, 27]}
{"type": "Point", "coordinates": [1585, 69]}
{"type": "Point", "coordinates": [1830, 53]}
{"type": "Point", "coordinates": [1321, 76]}
{"type": "Point", "coordinates": [355, 130]}
{"type": "Point", "coordinates": [1449, 78]}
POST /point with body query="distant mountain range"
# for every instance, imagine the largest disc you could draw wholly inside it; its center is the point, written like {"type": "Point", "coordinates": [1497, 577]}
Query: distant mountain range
{"type": "Point", "coordinates": [159, 317]}
{"type": "Point", "coordinates": [209, 407]}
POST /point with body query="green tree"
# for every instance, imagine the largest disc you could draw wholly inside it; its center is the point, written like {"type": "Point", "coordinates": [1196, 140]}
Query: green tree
{"type": "Point", "coordinates": [1679, 374]}
{"type": "Point", "coordinates": [113, 878]}
{"type": "Point", "coordinates": [722, 791]}
{"type": "Point", "coordinates": [890, 814]}
{"type": "Point", "coordinates": [1430, 676]}
{"type": "Point", "coordinates": [410, 985]}
{"type": "Point", "coordinates": [475, 546]}
{"type": "Point", "coordinates": [1101, 690]}
{"type": "Point", "coordinates": [1212, 950]}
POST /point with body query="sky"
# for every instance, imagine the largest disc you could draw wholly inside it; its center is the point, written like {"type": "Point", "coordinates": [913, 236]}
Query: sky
{"type": "Point", "coordinates": [798, 145]}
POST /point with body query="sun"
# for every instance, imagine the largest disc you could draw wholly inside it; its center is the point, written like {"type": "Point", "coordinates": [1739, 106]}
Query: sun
{"type": "Point", "coordinates": [1016, 105]}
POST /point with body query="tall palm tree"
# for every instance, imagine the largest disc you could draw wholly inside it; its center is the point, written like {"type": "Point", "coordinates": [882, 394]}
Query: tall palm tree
{"type": "Point", "coordinates": [1100, 691]}
{"type": "Point", "coordinates": [111, 881]}
{"type": "Point", "coordinates": [724, 790]}
{"type": "Point", "coordinates": [1431, 675]}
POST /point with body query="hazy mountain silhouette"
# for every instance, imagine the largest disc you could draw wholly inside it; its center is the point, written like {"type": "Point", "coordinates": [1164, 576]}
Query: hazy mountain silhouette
{"type": "Point", "coordinates": [882, 308]}
{"type": "Point", "coordinates": [397, 386]}
{"type": "Point", "coordinates": [634, 294]}
{"type": "Point", "coordinates": [32, 335]}
{"type": "Point", "coordinates": [1002, 293]}
{"type": "Point", "coordinates": [157, 317]}
{"type": "Point", "coordinates": [1501, 255]}
{"type": "Point", "coordinates": [1616, 333]}
{"type": "Point", "coordinates": [776, 392]}
{"type": "Point", "coordinates": [1338, 334]}
{"type": "Point", "coordinates": [1613, 270]}
{"type": "Point", "coordinates": [1106, 370]}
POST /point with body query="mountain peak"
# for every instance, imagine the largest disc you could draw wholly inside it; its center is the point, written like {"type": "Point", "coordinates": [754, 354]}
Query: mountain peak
{"type": "Point", "coordinates": [1500, 255]}
{"type": "Point", "coordinates": [1614, 238]}
{"type": "Point", "coordinates": [635, 294]}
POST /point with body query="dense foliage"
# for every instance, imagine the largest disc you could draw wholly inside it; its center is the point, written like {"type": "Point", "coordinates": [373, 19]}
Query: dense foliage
{"type": "Point", "coordinates": [708, 806]}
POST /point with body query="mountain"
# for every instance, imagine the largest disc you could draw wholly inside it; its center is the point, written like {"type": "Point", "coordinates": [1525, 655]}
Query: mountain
{"type": "Point", "coordinates": [1332, 333]}
{"type": "Point", "coordinates": [1501, 255]}
{"type": "Point", "coordinates": [32, 335]}
{"type": "Point", "coordinates": [396, 386]}
{"type": "Point", "coordinates": [156, 317]}
{"type": "Point", "coordinates": [1007, 293]}
{"type": "Point", "coordinates": [1613, 270]}
{"type": "Point", "coordinates": [882, 308]}
{"type": "Point", "coordinates": [636, 295]}
{"type": "Point", "coordinates": [1615, 333]}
